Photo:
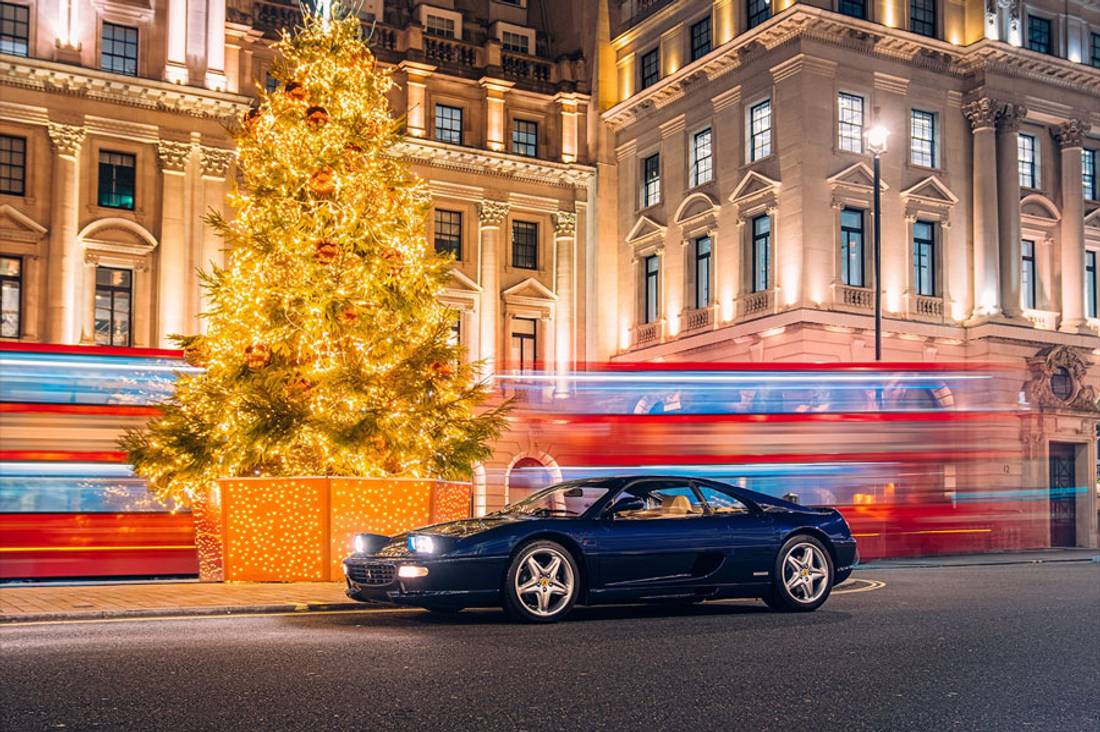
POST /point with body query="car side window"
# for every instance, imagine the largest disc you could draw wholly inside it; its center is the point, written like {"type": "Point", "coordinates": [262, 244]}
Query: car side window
{"type": "Point", "coordinates": [721, 502]}
{"type": "Point", "coordinates": [660, 501]}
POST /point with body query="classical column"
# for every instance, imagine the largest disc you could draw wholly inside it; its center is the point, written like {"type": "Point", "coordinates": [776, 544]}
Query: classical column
{"type": "Point", "coordinates": [1068, 136]}
{"type": "Point", "coordinates": [63, 267]}
{"type": "Point", "coordinates": [175, 67]}
{"type": "Point", "coordinates": [1008, 206]}
{"type": "Point", "coordinates": [495, 124]}
{"type": "Point", "coordinates": [215, 45]}
{"type": "Point", "coordinates": [492, 215]}
{"type": "Point", "coordinates": [570, 141]}
{"type": "Point", "coordinates": [416, 84]}
{"type": "Point", "coordinates": [982, 114]}
{"type": "Point", "coordinates": [87, 299]}
{"type": "Point", "coordinates": [214, 163]}
{"type": "Point", "coordinates": [172, 291]}
{"type": "Point", "coordinates": [565, 236]}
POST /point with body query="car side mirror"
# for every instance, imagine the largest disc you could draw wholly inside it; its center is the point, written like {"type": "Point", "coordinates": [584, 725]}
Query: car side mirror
{"type": "Point", "coordinates": [626, 505]}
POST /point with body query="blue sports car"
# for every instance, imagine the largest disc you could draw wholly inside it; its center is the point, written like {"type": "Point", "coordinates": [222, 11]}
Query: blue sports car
{"type": "Point", "coordinates": [605, 540]}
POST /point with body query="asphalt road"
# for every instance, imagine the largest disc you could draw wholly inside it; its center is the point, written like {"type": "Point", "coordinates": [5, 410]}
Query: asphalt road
{"type": "Point", "coordinates": [977, 648]}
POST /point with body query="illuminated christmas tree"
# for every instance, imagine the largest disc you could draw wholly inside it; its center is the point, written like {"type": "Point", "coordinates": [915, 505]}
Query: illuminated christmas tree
{"type": "Point", "coordinates": [327, 351]}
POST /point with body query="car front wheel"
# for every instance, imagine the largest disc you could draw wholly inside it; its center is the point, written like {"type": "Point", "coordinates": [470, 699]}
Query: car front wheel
{"type": "Point", "coordinates": [802, 577]}
{"type": "Point", "coordinates": [542, 583]}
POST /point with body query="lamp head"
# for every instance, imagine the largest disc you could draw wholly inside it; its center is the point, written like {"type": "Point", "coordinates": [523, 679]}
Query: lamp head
{"type": "Point", "coordinates": [876, 140]}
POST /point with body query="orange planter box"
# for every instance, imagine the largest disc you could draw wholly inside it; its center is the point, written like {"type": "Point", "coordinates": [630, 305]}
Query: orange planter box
{"type": "Point", "coordinates": [299, 529]}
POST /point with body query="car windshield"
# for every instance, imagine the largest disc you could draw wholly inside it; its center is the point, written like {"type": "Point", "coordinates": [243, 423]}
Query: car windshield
{"type": "Point", "coordinates": [567, 500]}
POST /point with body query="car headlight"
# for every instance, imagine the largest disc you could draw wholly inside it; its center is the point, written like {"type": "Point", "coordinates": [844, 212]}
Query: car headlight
{"type": "Point", "coordinates": [360, 544]}
{"type": "Point", "coordinates": [421, 544]}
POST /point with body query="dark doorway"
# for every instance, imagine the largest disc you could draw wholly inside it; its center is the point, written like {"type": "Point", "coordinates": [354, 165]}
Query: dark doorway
{"type": "Point", "coordinates": [1063, 494]}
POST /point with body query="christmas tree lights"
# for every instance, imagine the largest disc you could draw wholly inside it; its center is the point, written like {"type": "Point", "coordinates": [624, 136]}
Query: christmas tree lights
{"type": "Point", "coordinates": [327, 351]}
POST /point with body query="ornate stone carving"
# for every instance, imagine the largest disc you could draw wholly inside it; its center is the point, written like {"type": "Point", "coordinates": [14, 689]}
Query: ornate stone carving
{"type": "Point", "coordinates": [1010, 117]}
{"type": "Point", "coordinates": [215, 161]}
{"type": "Point", "coordinates": [173, 155]}
{"type": "Point", "coordinates": [1049, 370]}
{"type": "Point", "coordinates": [565, 224]}
{"type": "Point", "coordinates": [492, 213]}
{"type": "Point", "coordinates": [1070, 132]}
{"type": "Point", "coordinates": [981, 113]}
{"type": "Point", "coordinates": [66, 139]}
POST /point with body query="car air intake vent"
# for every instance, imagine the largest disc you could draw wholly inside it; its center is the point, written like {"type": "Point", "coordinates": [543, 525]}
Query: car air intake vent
{"type": "Point", "coordinates": [373, 573]}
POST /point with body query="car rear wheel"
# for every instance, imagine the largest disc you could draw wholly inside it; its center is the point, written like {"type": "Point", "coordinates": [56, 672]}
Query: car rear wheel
{"type": "Point", "coordinates": [802, 577]}
{"type": "Point", "coordinates": [542, 583]}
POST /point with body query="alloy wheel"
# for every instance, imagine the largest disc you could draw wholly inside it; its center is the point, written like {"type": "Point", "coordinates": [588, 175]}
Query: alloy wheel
{"type": "Point", "coordinates": [805, 572]}
{"type": "Point", "coordinates": [544, 583]}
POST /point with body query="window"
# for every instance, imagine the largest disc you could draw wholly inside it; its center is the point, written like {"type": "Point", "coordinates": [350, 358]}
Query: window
{"type": "Point", "coordinates": [651, 68]}
{"type": "Point", "coordinates": [11, 297]}
{"type": "Point", "coordinates": [1027, 274]}
{"type": "Point", "coordinates": [650, 309]}
{"type": "Point", "coordinates": [437, 25]}
{"type": "Point", "coordinates": [854, 8]}
{"type": "Point", "coordinates": [525, 245]}
{"type": "Point", "coordinates": [922, 138]}
{"type": "Point", "coordinates": [455, 337]}
{"type": "Point", "coordinates": [1094, 57]}
{"type": "Point", "coordinates": [760, 130]}
{"type": "Point", "coordinates": [14, 29]}
{"type": "Point", "coordinates": [1025, 146]}
{"type": "Point", "coordinates": [761, 243]}
{"type": "Point", "coordinates": [851, 247]}
{"type": "Point", "coordinates": [922, 17]}
{"type": "Point", "coordinates": [700, 38]}
{"type": "Point", "coordinates": [651, 181]}
{"type": "Point", "coordinates": [1088, 174]}
{"type": "Point", "coordinates": [270, 83]}
{"type": "Point", "coordinates": [525, 343]}
{"type": "Point", "coordinates": [850, 122]}
{"type": "Point", "coordinates": [757, 11]}
{"type": "Point", "coordinates": [525, 138]}
{"type": "Point", "coordinates": [119, 49]}
{"type": "Point", "coordinates": [448, 232]}
{"type": "Point", "coordinates": [113, 292]}
{"type": "Point", "coordinates": [116, 179]}
{"type": "Point", "coordinates": [448, 124]}
{"type": "Point", "coordinates": [702, 271]}
{"type": "Point", "coordinates": [13, 165]}
{"type": "Point", "coordinates": [924, 258]}
{"type": "Point", "coordinates": [658, 500]}
{"type": "Point", "coordinates": [1038, 35]}
{"type": "Point", "coordinates": [1091, 294]}
{"type": "Point", "coordinates": [702, 159]}
{"type": "Point", "coordinates": [515, 42]}
{"type": "Point", "coordinates": [720, 501]}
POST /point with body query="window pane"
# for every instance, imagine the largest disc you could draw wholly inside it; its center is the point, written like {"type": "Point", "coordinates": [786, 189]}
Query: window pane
{"type": "Point", "coordinates": [761, 241]}
{"type": "Point", "coordinates": [720, 501]}
{"type": "Point", "coordinates": [525, 244]}
{"type": "Point", "coordinates": [515, 42]}
{"type": "Point", "coordinates": [853, 8]}
{"type": "Point", "coordinates": [1088, 174]}
{"type": "Point", "coordinates": [440, 26]}
{"type": "Point", "coordinates": [11, 296]}
{"type": "Point", "coordinates": [851, 247]}
{"type": "Point", "coordinates": [757, 11]}
{"type": "Point", "coordinates": [13, 165]}
{"type": "Point", "coordinates": [651, 71]}
{"type": "Point", "coordinates": [662, 500]}
{"type": "Point", "coordinates": [116, 179]}
{"type": "Point", "coordinates": [702, 271]}
{"type": "Point", "coordinates": [525, 138]}
{"type": "Point", "coordinates": [924, 258]}
{"type": "Point", "coordinates": [652, 273]}
{"type": "Point", "coordinates": [922, 136]}
{"type": "Point", "coordinates": [922, 17]}
{"type": "Point", "coordinates": [112, 306]}
{"type": "Point", "coordinates": [700, 38]}
{"type": "Point", "coordinates": [448, 124]}
{"type": "Point", "coordinates": [119, 49]}
{"type": "Point", "coordinates": [760, 130]}
{"type": "Point", "coordinates": [14, 29]}
{"type": "Point", "coordinates": [1038, 34]}
{"type": "Point", "coordinates": [448, 232]}
{"type": "Point", "coordinates": [702, 163]}
{"type": "Point", "coordinates": [1026, 148]}
{"type": "Point", "coordinates": [651, 181]}
{"type": "Point", "coordinates": [1027, 274]}
{"type": "Point", "coordinates": [1091, 284]}
{"type": "Point", "coordinates": [850, 108]}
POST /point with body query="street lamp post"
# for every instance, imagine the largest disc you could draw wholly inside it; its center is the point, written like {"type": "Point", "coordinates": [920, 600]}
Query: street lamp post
{"type": "Point", "coordinates": [876, 145]}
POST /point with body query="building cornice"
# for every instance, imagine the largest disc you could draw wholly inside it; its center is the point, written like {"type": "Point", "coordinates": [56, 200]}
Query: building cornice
{"type": "Point", "coordinates": [488, 162]}
{"type": "Point", "coordinates": [65, 79]}
{"type": "Point", "coordinates": [803, 22]}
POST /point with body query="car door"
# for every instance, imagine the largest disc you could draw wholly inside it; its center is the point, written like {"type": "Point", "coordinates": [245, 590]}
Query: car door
{"type": "Point", "coordinates": [749, 535]}
{"type": "Point", "coordinates": [662, 546]}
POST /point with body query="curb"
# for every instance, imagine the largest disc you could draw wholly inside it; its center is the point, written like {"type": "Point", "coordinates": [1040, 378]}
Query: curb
{"type": "Point", "coordinates": [886, 564]}
{"type": "Point", "coordinates": [173, 612]}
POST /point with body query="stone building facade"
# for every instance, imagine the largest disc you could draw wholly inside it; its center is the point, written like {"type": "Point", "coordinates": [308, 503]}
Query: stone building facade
{"type": "Point", "coordinates": [744, 205]}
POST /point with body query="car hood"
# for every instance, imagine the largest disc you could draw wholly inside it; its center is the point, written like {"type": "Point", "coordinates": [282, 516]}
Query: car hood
{"type": "Point", "coordinates": [467, 527]}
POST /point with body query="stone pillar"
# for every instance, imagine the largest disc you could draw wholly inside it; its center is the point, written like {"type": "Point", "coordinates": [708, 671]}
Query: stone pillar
{"type": "Point", "coordinates": [87, 300]}
{"type": "Point", "coordinates": [565, 237]}
{"type": "Point", "coordinates": [172, 291]}
{"type": "Point", "coordinates": [1072, 260]}
{"type": "Point", "coordinates": [215, 45]}
{"type": "Point", "coordinates": [570, 141]}
{"type": "Point", "coordinates": [982, 114]}
{"type": "Point", "coordinates": [1008, 206]}
{"type": "Point", "coordinates": [214, 163]}
{"type": "Point", "coordinates": [175, 67]}
{"type": "Point", "coordinates": [491, 215]}
{"type": "Point", "coordinates": [63, 267]}
{"type": "Point", "coordinates": [416, 82]}
{"type": "Point", "coordinates": [496, 127]}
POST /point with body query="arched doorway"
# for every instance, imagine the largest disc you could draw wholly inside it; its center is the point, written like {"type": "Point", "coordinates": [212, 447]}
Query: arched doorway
{"type": "Point", "coordinates": [526, 476]}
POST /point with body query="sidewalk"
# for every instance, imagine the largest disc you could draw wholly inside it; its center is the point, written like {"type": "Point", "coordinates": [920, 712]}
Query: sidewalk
{"type": "Point", "coordinates": [1027, 556]}
{"type": "Point", "coordinates": [90, 601]}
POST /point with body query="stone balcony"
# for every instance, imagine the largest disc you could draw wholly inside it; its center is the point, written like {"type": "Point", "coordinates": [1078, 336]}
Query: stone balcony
{"type": "Point", "coordinates": [647, 334]}
{"type": "Point", "coordinates": [756, 304]}
{"type": "Point", "coordinates": [855, 298]}
{"type": "Point", "coordinates": [697, 319]}
{"type": "Point", "coordinates": [1042, 319]}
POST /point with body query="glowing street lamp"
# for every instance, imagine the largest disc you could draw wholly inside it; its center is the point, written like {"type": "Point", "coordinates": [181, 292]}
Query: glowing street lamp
{"type": "Point", "coordinates": [876, 145]}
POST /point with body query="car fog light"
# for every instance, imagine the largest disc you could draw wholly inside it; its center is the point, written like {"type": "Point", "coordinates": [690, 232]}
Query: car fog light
{"type": "Point", "coordinates": [408, 570]}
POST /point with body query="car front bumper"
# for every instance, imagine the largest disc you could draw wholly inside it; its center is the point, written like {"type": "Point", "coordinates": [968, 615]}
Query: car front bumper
{"type": "Point", "coordinates": [462, 581]}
